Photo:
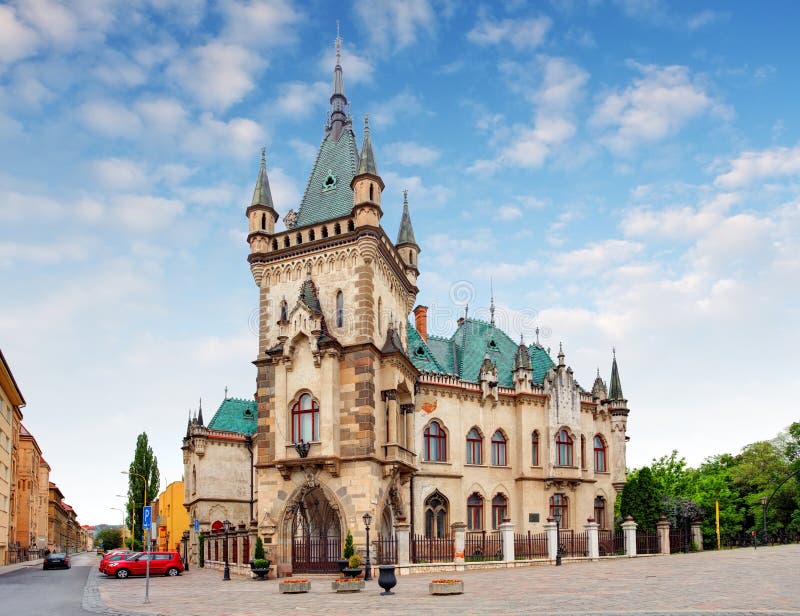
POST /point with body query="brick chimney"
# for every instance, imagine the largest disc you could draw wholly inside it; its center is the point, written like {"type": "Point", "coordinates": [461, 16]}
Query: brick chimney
{"type": "Point", "coordinates": [421, 321]}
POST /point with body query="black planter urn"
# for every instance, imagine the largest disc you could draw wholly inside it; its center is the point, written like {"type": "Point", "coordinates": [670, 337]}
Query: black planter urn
{"type": "Point", "coordinates": [342, 564]}
{"type": "Point", "coordinates": [387, 579]}
{"type": "Point", "coordinates": [353, 572]}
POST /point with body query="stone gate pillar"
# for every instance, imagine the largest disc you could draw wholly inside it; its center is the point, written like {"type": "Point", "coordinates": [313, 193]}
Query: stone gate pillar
{"type": "Point", "coordinates": [507, 534]}
{"type": "Point", "coordinates": [663, 534]}
{"type": "Point", "coordinates": [402, 531]}
{"type": "Point", "coordinates": [460, 540]}
{"type": "Point", "coordinates": [697, 536]}
{"type": "Point", "coordinates": [629, 532]}
{"type": "Point", "coordinates": [552, 538]}
{"type": "Point", "coordinates": [592, 538]}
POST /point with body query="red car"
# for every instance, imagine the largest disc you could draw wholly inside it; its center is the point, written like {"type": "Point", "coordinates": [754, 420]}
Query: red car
{"type": "Point", "coordinates": [113, 556]}
{"type": "Point", "coordinates": [166, 563]}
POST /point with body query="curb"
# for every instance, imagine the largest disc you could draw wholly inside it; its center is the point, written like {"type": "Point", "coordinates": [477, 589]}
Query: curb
{"type": "Point", "coordinates": [94, 604]}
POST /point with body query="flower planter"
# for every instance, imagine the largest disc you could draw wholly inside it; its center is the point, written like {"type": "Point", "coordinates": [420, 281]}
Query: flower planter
{"type": "Point", "coordinates": [342, 564]}
{"type": "Point", "coordinates": [347, 585]}
{"type": "Point", "coordinates": [261, 572]}
{"type": "Point", "coordinates": [352, 572]}
{"type": "Point", "coordinates": [446, 587]}
{"type": "Point", "coordinates": [289, 587]}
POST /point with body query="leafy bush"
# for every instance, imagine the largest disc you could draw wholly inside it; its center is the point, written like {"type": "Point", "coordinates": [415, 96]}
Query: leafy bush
{"type": "Point", "coordinates": [354, 561]}
{"type": "Point", "coordinates": [349, 550]}
{"type": "Point", "coordinates": [201, 560]}
{"type": "Point", "coordinates": [260, 563]}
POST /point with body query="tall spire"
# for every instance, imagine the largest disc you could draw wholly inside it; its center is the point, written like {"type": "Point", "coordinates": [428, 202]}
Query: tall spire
{"type": "Point", "coordinates": [366, 163]}
{"type": "Point", "coordinates": [200, 414]}
{"type": "Point", "coordinates": [491, 304]}
{"type": "Point", "coordinates": [406, 233]}
{"type": "Point", "coordinates": [338, 114]}
{"type": "Point", "coordinates": [262, 194]}
{"type": "Point", "coordinates": [616, 386]}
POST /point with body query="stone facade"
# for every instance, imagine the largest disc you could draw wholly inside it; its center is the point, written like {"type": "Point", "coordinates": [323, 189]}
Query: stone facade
{"type": "Point", "coordinates": [28, 500]}
{"type": "Point", "coordinates": [361, 412]}
{"type": "Point", "coordinates": [10, 419]}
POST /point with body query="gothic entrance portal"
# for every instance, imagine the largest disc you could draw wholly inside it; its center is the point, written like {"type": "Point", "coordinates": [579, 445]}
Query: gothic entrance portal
{"type": "Point", "coordinates": [316, 534]}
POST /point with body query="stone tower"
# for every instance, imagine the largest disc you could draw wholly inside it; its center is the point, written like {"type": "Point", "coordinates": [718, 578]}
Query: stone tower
{"type": "Point", "coordinates": [335, 387]}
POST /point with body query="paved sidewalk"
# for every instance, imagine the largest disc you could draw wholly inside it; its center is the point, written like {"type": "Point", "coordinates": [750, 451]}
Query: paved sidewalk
{"type": "Point", "coordinates": [743, 581]}
{"type": "Point", "coordinates": [18, 566]}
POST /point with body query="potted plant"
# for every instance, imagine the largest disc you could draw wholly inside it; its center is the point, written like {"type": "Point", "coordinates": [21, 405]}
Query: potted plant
{"type": "Point", "coordinates": [354, 568]}
{"type": "Point", "coordinates": [259, 565]}
{"type": "Point", "coordinates": [349, 550]}
{"type": "Point", "coordinates": [446, 587]}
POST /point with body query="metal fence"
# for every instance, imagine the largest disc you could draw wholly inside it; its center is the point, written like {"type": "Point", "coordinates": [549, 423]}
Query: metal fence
{"type": "Point", "coordinates": [431, 549]}
{"type": "Point", "coordinates": [385, 550]}
{"type": "Point", "coordinates": [572, 543]}
{"type": "Point", "coordinates": [647, 542]}
{"type": "Point", "coordinates": [678, 540]}
{"type": "Point", "coordinates": [483, 545]}
{"type": "Point", "coordinates": [611, 542]}
{"type": "Point", "coordinates": [18, 554]}
{"type": "Point", "coordinates": [315, 555]}
{"type": "Point", "coordinates": [530, 546]}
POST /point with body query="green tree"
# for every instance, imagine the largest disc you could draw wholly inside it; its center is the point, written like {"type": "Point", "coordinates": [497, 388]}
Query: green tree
{"type": "Point", "coordinates": [349, 550]}
{"type": "Point", "coordinates": [110, 538]}
{"type": "Point", "coordinates": [670, 475]}
{"type": "Point", "coordinates": [641, 499]}
{"type": "Point", "coordinates": [710, 484]}
{"type": "Point", "coordinates": [144, 464]}
{"type": "Point", "coordinates": [259, 551]}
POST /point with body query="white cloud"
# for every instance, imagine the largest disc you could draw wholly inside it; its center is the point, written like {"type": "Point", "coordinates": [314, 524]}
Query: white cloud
{"type": "Point", "coordinates": [410, 154]}
{"type": "Point", "coordinates": [384, 114]}
{"type": "Point", "coordinates": [110, 119]}
{"type": "Point", "coordinates": [658, 104]}
{"type": "Point", "coordinates": [121, 174]}
{"type": "Point", "coordinates": [303, 149]}
{"type": "Point", "coordinates": [678, 223]}
{"type": "Point", "coordinates": [145, 213]}
{"type": "Point", "coordinates": [298, 99]}
{"type": "Point", "coordinates": [52, 19]}
{"type": "Point", "coordinates": [16, 39]}
{"type": "Point", "coordinates": [240, 137]}
{"type": "Point", "coordinates": [703, 19]}
{"type": "Point", "coordinates": [520, 33]}
{"type": "Point", "coordinates": [509, 212]}
{"type": "Point", "coordinates": [395, 24]}
{"type": "Point", "coordinates": [355, 68]}
{"type": "Point", "coordinates": [218, 75]}
{"type": "Point", "coordinates": [285, 193]}
{"type": "Point", "coordinates": [49, 253]}
{"type": "Point", "coordinates": [595, 257]}
{"type": "Point", "coordinates": [17, 206]}
{"type": "Point", "coordinates": [755, 166]}
{"type": "Point", "coordinates": [418, 191]}
{"type": "Point", "coordinates": [163, 116]}
{"type": "Point", "coordinates": [265, 23]}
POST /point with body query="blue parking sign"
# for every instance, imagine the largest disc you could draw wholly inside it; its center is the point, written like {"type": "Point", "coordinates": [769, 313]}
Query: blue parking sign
{"type": "Point", "coordinates": [147, 514]}
{"type": "Point", "coordinates": [196, 525]}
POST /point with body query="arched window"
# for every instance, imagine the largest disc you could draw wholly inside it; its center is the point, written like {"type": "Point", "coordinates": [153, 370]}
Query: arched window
{"type": "Point", "coordinates": [337, 229]}
{"type": "Point", "coordinates": [324, 231]}
{"type": "Point", "coordinates": [435, 443]}
{"type": "Point", "coordinates": [559, 509]}
{"type": "Point", "coordinates": [600, 511]}
{"type": "Point", "coordinates": [263, 221]}
{"type": "Point", "coordinates": [535, 448]}
{"type": "Point", "coordinates": [286, 242]}
{"type": "Point", "coordinates": [311, 235]}
{"type": "Point", "coordinates": [339, 309]}
{"type": "Point", "coordinates": [371, 191]}
{"type": "Point", "coordinates": [599, 454]}
{"type": "Point", "coordinates": [563, 448]}
{"type": "Point", "coordinates": [284, 311]}
{"type": "Point", "coordinates": [305, 420]}
{"type": "Point", "coordinates": [351, 225]}
{"type": "Point", "coordinates": [498, 449]}
{"type": "Point", "coordinates": [274, 244]}
{"type": "Point", "coordinates": [474, 447]}
{"type": "Point", "coordinates": [299, 238]}
{"type": "Point", "coordinates": [475, 512]}
{"type": "Point", "coordinates": [436, 516]}
{"type": "Point", "coordinates": [583, 451]}
{"type": "Point", "coordinates": [499, 510]}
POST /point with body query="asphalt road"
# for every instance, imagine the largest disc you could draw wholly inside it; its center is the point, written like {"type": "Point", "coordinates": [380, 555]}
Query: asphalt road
{"type": "Point", "coordinates": [55, 592]}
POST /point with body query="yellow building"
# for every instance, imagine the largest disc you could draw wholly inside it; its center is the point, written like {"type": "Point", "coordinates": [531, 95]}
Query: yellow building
{"type": "Point", "coordinates": [10, 417]}
{"type": "Point", "coordinates": [172, 518]}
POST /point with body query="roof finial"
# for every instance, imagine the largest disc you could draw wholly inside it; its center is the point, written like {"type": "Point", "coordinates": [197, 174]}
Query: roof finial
{"type": "Point", "coordinates": [614, 352]}
{"type": "Point", "coordinates": [466, 311]}
{"type": "Point", "coordinates": [522, 339]}
{"type": "Point", "coordinates": [405, 197]}
{"type": "Point", "coordinates": [226, 392]}
{"type": "Point", "coordinates": [366, 122]}
{"type": "Point", "coordinates": [263, 155]}
{"type": "Point", "coordinates": [537, 335]}
{"type": "Point", "coordinates": [491, 304]}
{"type": "Point", "coordinates": [560, 354]}
{"type": "Point", "coordinates": [338, 44]}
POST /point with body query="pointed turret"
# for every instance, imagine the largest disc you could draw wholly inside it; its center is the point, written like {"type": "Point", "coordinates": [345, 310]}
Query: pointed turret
{"type": "Point", "coordinates": [261, 213]}
{"type": "Point", "coordinates": [599, 390]}
{"type": "Point", "coordinates": [522, 372]}
{"type": "Point", "coordinates": [616, 385]}
{"type": "Point", "coordinates": [561, 355]}
{"type": "Point", "coordinates": [521, 357]}
{"type": "Point", "coordinates": [406, 243]}
{"type": "Point", "coordinates": [339, 114]}
{"type": "Point", "coordinates": [200, 414]}
{"type": "Point", "coordinates": [367, 185]}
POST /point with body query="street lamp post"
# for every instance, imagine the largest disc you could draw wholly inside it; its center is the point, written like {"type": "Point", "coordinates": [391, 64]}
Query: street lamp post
{"type": "Point", "coordinates": [226, 575]}
{"type": "Point", "coordinates": [558, 537]}
{"type": "Point", "coordinates": [185, 539]}
{"type": "Point", "coordinates": [144, 538]}
{"type": "Point", "coordinates": [368, 568]}
{"type": "Point", "coordinates": [123, 523]}
{"type": "Point", "coordinates": [764, 501]}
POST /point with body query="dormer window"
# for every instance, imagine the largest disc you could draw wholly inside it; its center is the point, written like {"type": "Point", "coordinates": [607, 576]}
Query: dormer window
{"type": "Point", "coordinates": [420, 351]}
{"type": "Point", "coordinates": [329, 183]}
{"type": "Point", "coordinates": [493, 345]}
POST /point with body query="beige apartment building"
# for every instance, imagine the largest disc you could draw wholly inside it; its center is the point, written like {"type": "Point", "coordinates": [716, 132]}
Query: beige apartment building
{"type": "Point", "coordinates": [11, 401]}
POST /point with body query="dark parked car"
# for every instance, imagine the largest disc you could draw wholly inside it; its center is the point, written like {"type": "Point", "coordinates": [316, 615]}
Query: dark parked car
{"type": "Point", "coordinates": [56, 560]}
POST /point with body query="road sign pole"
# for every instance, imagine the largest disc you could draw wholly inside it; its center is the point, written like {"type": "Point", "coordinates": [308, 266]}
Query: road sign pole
{"type": "Point", "coordinates": [146, 525]}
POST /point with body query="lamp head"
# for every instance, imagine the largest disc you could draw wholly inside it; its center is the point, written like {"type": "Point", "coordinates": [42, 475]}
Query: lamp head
{"type": "Point", "coordinates": [763, 500]}
{"type": "Point", "coordinates": [367, 519]}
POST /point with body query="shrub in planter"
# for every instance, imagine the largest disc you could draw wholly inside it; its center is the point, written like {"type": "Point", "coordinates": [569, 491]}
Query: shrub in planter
{"type": "Point", "coordinates": [354, 561]}
{"type": "Point", "coordinates": [349, 550]}
{"type": "Point", "coordinates": [260, 563]}
{"type": "Point", "coordinates": [259, 551]}
{"type": "Point", "coordinates": [201, 560]}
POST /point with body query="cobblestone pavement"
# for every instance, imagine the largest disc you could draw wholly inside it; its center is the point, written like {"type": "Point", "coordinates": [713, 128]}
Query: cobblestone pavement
{"type": "Point", "coordinates": [742, 581]}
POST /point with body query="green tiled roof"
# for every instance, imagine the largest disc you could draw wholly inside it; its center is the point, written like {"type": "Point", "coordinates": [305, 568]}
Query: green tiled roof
{"type": "Point", "coordinates": [235, 415]}
{"type": "Point", "coordinates": [463, 353]}
{"type": "Point", "coordinates": [321, 201]}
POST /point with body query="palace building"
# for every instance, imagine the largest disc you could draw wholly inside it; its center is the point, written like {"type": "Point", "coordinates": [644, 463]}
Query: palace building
{"type": "Point", "coordinates": [358, 410]}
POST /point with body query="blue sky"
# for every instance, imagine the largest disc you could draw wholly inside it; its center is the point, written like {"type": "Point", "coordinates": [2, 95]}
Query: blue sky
{"type": "Point", "coordinates": [625, 171]}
